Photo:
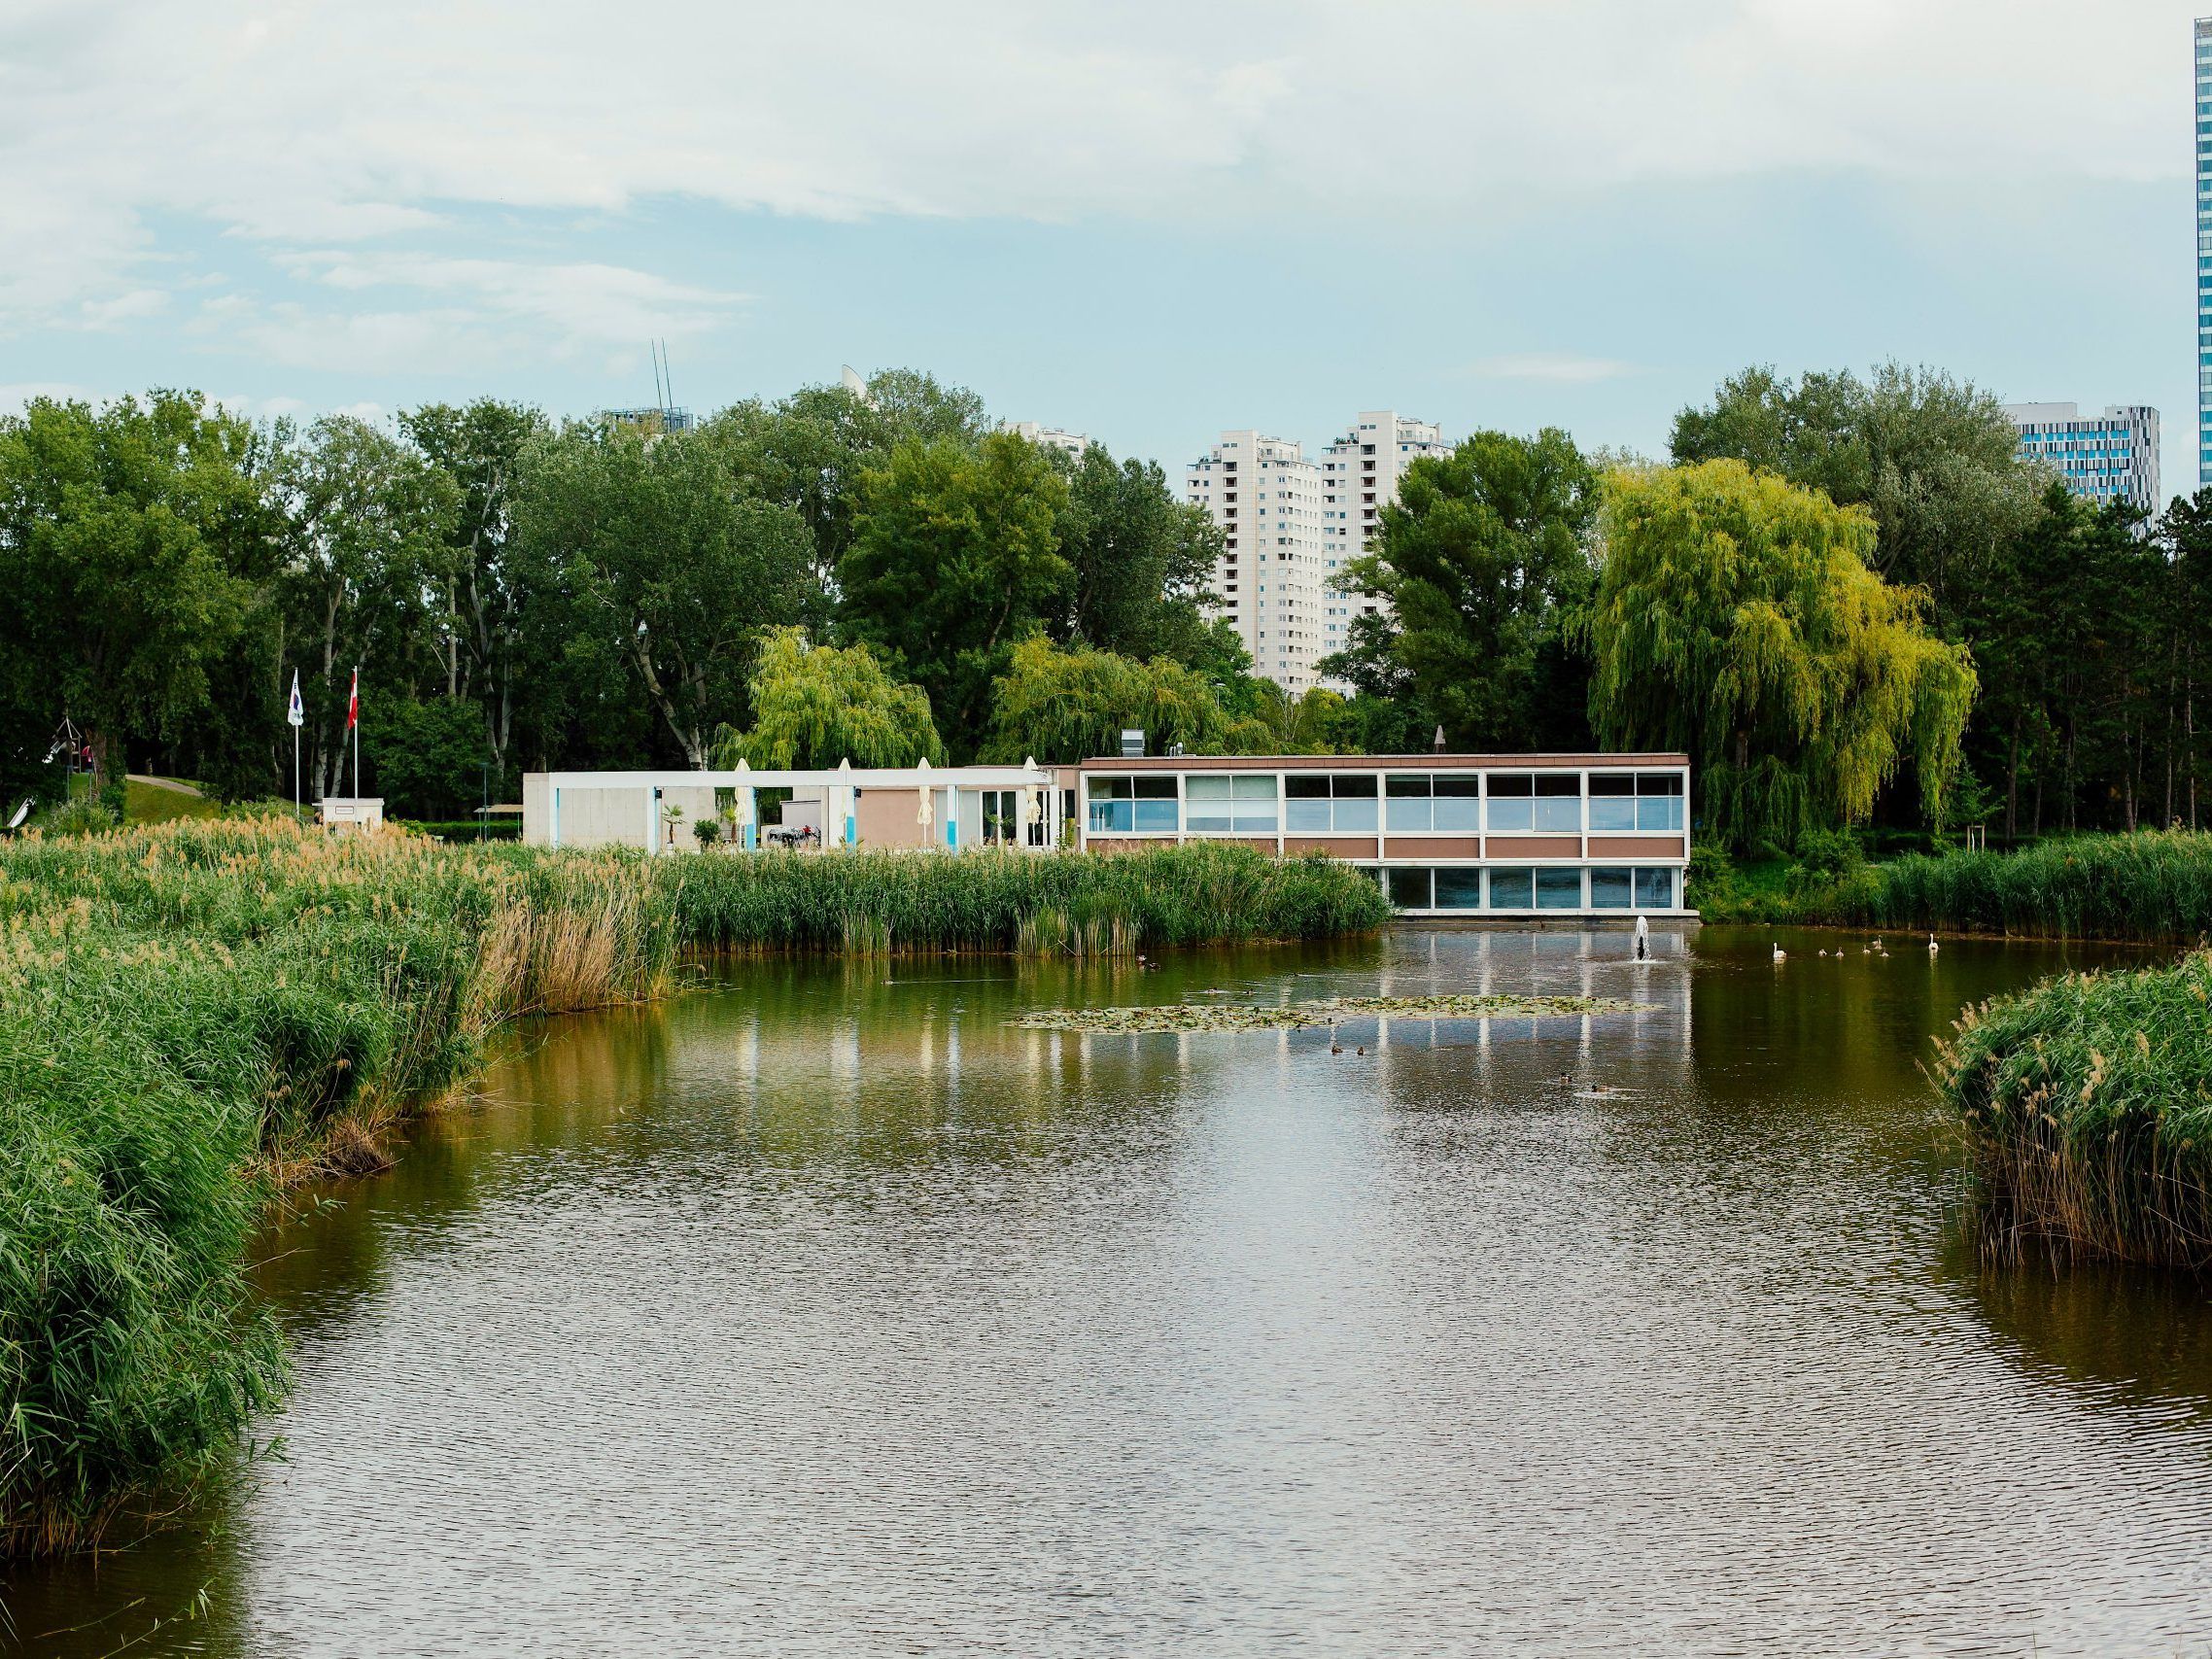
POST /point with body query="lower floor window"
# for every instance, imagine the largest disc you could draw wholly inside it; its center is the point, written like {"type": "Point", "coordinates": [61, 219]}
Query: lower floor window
{"type": "Point", "coordinates": [1559, 889]}
{"type": "Point", "coordinates": [1513, 888]}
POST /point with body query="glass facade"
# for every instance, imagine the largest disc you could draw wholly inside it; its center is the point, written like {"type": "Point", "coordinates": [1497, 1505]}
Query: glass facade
{"type": "Point", "coordinates": [2204, 251]}
{"type": "Point", "coordinates": [2107, 458]}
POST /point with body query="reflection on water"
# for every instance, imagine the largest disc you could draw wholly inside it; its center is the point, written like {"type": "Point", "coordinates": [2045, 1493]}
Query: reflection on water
{"type": "Point", "coordinates": [822, 1312]}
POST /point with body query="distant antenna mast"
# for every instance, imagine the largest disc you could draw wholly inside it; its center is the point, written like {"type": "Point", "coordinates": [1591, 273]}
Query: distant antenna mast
{"type": "Point", "coordinates": [660, 398]}
{"type": "Point", "coordinates": [667, 379]}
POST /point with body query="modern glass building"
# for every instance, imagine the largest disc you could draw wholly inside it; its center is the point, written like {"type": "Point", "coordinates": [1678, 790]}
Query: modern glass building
{"type": "Point", "coordinates": [2112, 457]}
{"type": "Point", "coordinates": [2204, 251]}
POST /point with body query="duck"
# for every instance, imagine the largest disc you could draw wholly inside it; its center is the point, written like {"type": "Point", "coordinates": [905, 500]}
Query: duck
{"type": "Point", "coordinates": [1779, 953]}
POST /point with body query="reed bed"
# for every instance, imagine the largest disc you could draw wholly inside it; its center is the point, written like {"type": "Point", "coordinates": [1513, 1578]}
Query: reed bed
{"type": "Point", "coordinates": [2153, 887]}
{"type": "Point", "coordinates": [194, 1014]}
{"type": "Point", "coordinates": [1007, 900]}
{"type": "Point", "coordinates": [2086, 1108]}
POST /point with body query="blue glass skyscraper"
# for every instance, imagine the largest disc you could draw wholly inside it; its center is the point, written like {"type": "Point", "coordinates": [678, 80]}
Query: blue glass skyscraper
{"type": "Point", "coordinates": [2204, 251]}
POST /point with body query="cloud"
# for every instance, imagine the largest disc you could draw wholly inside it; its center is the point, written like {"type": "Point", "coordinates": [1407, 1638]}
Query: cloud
{"type": "Point", "coordinates": [312, 129]}
{"type": "Point", "coordinates": [1561, 367]}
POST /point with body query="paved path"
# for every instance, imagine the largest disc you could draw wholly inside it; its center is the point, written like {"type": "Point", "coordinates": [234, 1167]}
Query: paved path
{"type": "Point", "coordinates": [176, 784]}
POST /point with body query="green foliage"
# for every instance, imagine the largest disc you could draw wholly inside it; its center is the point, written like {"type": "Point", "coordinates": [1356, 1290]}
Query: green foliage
{"type": "Point", "coordinates": [427, 759]}
{"type": "Point", "coordinates": [2086, 1108]}
{"type": "Point", "coordinates": [679, 570]}
{"type": "Point", "coordinates": [1139, 558]}
{"type": "Point", "coordinates": [1062, 705]}
{"type": "Point", "coordinates": [1736, 620]}
{"type": "Point", "coordinates": [1931, 458]}
{"type": "Point", "coordinates": [124, 533]}
{"type": "Point", "coordinates": [1484, 562]}
{"type": "Point", "coordinates": [815, 705]}
{"type": "Point", "coordinates": [955, 557]}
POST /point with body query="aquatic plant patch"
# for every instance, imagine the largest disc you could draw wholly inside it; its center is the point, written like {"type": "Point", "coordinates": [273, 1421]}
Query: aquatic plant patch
{"type": "Point", "coordinates": [1295, 1016]}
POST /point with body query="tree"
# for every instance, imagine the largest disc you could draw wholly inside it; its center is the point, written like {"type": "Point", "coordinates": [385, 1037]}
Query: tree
{"type": "Point", "coordinates": [1932, 458]}
{"type": "Point", "coordinates": [1736, 619]}
{"type": "Point", "coordinates": [478, 446]}
{"type": "Point", "coordinates": [2185, 531]}
{"type": "Point", "coordinates": [426, 757]}
{"type": "Point", "coordinates": [679, 572]}
{"type": "Point", "coordinates": [1140, 559]}
{"type": "Point", "coordinates": [955, 558]}
{"type": "Point", "coordinates": [1483, 562]}
{"type": "Point", "coordinates": [123, 536]}
{"type": "Point", "coordinates": [368, 528]}
{"type": "Point", "coordinates": [813, 706]}
{"type": "Point", "coordinates": [809, 450]}
{"type": "Point", "coordinates": [1063, 704]}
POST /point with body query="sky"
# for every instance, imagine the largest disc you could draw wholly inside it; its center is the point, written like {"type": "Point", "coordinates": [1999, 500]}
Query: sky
{"type": "Point", "coordinates": [1143, 222]}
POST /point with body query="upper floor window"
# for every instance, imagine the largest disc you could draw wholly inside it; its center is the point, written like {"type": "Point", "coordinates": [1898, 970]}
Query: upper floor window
{"type": "Point", "coordinates": [1133, 805]}
{"type": "Point", "coordinates": [1238, 804]}
{"type": "Point", "coordinates": [1547, 802]}
{"type": "Point", "coordinates": [1343, 803]}
{"type": "Point", "coordinates": [1440, 801]}
{"type": "Point", "coordinates": [1625, 800]}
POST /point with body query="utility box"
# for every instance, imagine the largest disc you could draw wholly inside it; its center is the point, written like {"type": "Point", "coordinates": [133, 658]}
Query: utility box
{"type": "Point", "coordinates": [352, 815]}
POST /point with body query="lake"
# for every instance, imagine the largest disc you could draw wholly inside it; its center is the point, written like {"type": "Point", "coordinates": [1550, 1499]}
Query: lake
{"type": "Point", "coordinates": [818, 1311]}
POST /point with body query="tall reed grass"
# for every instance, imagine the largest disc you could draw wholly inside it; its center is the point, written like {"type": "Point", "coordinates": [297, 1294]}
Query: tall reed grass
{"type": "Point", "coordinates": [998, 901]}
{"type": "Point", "coordinates": [193, 1014]}
{"type": "Point", "coordinates": [2087, 1107]}
{"type": "Point", "coordinates": [2153, 888]}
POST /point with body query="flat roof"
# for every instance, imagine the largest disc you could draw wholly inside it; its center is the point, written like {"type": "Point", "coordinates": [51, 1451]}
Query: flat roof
{"type": "Point", "coordinates": [1361, 762]}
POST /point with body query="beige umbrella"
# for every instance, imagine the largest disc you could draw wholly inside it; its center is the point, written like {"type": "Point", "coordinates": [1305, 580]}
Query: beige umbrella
{"type": "Point", "coordinates": [927, 810]}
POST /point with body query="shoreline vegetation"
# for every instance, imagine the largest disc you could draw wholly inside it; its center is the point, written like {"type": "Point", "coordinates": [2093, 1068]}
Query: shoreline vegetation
{"type": "Point", "coordinates": [196, 1014]}
{"type": "Point", "coordinates": [2086, 1103]}
{"type": "Point", "coordinates": [2149, 887]}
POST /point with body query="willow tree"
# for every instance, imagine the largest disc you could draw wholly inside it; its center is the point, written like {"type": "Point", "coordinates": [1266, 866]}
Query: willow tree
{"type": "Point", "coordinates": [815, 705]}
{"type": "Point", "coordinates": [1738, 620]}
{"type": "Point", "coordinates": [1062, 705]}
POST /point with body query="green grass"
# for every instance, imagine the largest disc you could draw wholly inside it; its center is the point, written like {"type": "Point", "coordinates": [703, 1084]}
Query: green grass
{"type": "Point", "coordinates": [151, 804]}
{"type": "Point", "coordinates": [193, 1014]}
{"type": "Point", "coordinates": [2086, 1108]}
{"type": "Point", "coordinates": [2153, 888]}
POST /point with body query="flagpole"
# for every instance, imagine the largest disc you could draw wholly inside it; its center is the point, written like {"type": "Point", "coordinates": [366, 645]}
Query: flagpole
{"type": "Point", "coordinates": [357, 731]}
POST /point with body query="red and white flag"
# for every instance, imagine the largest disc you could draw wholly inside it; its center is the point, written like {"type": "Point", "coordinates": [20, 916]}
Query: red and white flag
{"type": "Point", "coordinates": [352, 704]}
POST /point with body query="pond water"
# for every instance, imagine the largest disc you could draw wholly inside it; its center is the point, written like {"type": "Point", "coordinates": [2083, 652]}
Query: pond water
{"type": "Point", "coordinates": [821, 1312]}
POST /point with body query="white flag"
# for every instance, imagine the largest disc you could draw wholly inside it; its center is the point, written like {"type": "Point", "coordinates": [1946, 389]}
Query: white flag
{"type": "Point", "coordinates": [296, 715]}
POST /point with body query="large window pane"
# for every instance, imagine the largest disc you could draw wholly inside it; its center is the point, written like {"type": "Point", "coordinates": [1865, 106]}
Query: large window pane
{"type": "Point", "coordinates": [1156, 817]}
{"type": "Point", "coordinates": [1559, 889]}
{"type": "Point", "coordinates": [1206, 805]}
{"type": "Point", "coordinates": [1459, 803]}
{"type": "Point", "coordinates": [1111, 816]}
{"type": "Point", "coordinates": [1410, 889]}
{"type": "Point", "coordinates": [1512, 889]}
{"type": "Point", "coordinates": [1302, 816]}
{"type": "Point", "coordinates": [1510, 805]}
{"type": "Point", "coordinates": [1659, 813]}
{"type": "Point", "coordinates": [1655, 890]}
{"type": "Point", "coordinates": [1307, 787]}
{"type": "Point", "coordinates": [1356, 815]}
{"type": "Point", "coordinates": [1254, 787]}
{"type": "Point", "coordinates": [1557, 815]}
{"type": "Point", "coordinates": [1409, 804]}
{"type": "Point", "coordinates": [1459, 889]}
{"type": "Point", "coordinates": [1612, 811]}
{"type": "Point", "coordinates": [1608, 890]}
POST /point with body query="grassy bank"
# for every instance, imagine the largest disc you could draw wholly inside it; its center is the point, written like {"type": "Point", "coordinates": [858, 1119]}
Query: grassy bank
{"type": "Point", "coordinates": [192, 1015]}
{"type": "Point", "coordinates": [2087, 1105]}
{"type": "Point", "coordinates": [2152, 887]}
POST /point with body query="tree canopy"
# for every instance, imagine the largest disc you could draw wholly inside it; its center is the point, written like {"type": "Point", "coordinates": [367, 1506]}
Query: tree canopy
{"type": "Point", "coordinates": [1484, 562]}
{"type": "Point", "coordinates": [815, 705]}
{"type": "Point", "coordinates": [1736, 620]}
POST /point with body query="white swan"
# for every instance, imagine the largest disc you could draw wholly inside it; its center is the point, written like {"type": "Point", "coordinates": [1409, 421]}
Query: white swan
{"type": "Point", "coordinates": [1779, 953]}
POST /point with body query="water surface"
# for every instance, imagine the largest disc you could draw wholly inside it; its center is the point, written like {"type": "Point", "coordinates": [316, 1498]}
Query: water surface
{"type": "Point", "coordinates": [820, 1312]}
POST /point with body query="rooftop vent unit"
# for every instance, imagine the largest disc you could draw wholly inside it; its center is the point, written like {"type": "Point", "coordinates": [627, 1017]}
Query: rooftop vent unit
{"type": "Point", "coordinates": [1133, 743]}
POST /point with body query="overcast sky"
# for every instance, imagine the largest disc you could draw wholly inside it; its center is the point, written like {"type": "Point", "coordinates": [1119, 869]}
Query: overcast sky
{"type": "Point", "coordinates": [1144, 221]}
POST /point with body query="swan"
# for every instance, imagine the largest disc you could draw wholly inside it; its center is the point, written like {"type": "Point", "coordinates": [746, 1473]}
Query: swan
{"type": "Point", "coordinates": [1779, 953]}
{"type": "Point", "coordinates": [1933, 946]}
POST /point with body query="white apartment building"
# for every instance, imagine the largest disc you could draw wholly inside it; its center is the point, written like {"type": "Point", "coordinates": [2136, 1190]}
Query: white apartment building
{"type": "Point", "coordinates": [1289, 524]}
{"type": "Point", "coordinates": [1359, 475]}
{"type": "Point", "coordinates": [1265, 496]}
{"type": "Point", "coordinates": [1048, 437]}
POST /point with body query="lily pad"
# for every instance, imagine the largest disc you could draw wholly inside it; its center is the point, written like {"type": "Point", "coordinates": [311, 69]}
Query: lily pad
{"type": "Point", "coordinates": [1290, 1015]}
